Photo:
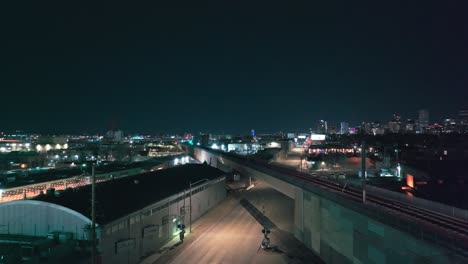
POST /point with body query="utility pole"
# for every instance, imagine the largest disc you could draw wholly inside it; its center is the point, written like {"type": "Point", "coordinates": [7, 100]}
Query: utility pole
{"type": "Point", "coordinates": [93, 214]}
{"type": "Point", "coordinates": [363, 171]}
{"type": "Point", "coordinates": [190, 204]}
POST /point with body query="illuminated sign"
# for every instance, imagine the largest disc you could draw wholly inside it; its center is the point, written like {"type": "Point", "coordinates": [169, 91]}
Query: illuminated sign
{"type": "Point", "coordinates": [318, 137]}
{"type": "Point", "coordinates": [410, 180]}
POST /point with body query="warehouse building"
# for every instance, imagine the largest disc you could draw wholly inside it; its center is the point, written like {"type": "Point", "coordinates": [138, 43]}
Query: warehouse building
{"type": "Point", "coordinates": [135, 215]}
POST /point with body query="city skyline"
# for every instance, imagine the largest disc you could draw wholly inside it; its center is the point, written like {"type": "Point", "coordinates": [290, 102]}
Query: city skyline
{"type": "Point", "coordinates": [229, 68]}
{"type": "Point", "coordinates": [313, 126]}
{"type": "Point", "coordinates": [234, 132]}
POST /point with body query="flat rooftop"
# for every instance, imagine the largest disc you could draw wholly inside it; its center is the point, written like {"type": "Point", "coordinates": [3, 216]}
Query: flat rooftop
{"type": "Point", "coordinates": [119, 197]}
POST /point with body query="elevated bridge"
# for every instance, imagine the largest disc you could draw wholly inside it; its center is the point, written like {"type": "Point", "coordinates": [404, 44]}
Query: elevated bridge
{"type": "Point", "coordinates": [335, 223]}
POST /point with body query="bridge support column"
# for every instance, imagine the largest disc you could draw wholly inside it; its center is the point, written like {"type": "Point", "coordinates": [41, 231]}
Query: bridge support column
{"type": "Point", "coordinates": [298, 214]}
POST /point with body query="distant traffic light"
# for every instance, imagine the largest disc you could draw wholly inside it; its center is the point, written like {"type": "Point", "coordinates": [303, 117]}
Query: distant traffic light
{"type": "Point", "coordinates": [181, 226]}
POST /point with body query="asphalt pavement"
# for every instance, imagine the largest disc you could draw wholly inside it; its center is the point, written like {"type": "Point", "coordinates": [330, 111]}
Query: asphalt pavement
{"type": "Point", "coordinates": [231, 233]}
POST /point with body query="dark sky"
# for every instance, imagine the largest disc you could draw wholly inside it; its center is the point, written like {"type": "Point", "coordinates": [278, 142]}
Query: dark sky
{"type": "Point", "coordinates": [228, 66]}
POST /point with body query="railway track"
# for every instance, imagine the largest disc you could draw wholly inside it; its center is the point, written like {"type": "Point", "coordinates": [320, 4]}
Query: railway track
{"type": "Point", "coordinates": [453, 225]}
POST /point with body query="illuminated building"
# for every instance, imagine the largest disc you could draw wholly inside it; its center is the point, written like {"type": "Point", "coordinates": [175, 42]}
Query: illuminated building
{"type": "Point", "coordinates": [463, 120]}
{"type": "Point", "coordinates": [393, 126]}
{"type": "Point", "coordinates": [115, 136]}
{"type": "Point", "coordinates": [45, 144]}
{"type": "Point", "coordinates": [423, 120]}
{"type": "Point", "coordinates": [366, 128]}
{"type": "Point", "coordinates": [450, 125]}
{"type": "Point", "coordinates": [322, 127]}
{"type": "Point", "coordinates": [410, 126]}
{"type": "Point", "coordinates": [344, 128]}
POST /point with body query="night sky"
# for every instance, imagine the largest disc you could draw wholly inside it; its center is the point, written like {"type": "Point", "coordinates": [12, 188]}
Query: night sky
{"type": "Point", "coordinates": [228, 66]}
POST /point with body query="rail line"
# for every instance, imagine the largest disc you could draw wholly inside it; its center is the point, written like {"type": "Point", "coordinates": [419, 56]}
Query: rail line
{"type": "Point", "coordinates": [433, 217]}
{"type": "Point", "coordinates": [454, 229]}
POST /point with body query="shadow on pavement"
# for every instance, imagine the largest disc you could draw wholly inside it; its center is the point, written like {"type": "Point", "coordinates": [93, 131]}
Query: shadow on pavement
{"type": "Point", "coordinates": [261, 218]}
{"type": "Point", "coordinates": [292, 248]}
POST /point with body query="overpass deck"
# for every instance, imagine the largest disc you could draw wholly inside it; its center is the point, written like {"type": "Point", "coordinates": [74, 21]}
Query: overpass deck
{"type": "Point", "coordinates": [440, 229]}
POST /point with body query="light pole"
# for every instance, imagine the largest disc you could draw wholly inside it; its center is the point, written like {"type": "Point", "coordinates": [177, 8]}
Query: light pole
{"type": "Point", "coordinates": [93, 214]}
{"type": "Point", "coordinates": [363, 171]}
{"type": "Point", "coordinates": [190, 216]}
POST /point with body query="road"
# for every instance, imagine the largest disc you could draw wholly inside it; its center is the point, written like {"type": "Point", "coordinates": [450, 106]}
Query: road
{"type": "Point", "coordinates": [234, 236]}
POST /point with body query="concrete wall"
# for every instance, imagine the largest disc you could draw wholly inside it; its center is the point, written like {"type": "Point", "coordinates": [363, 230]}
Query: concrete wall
{"type": "Point", "coordinates": [130, 238]}
{"type": "Point", "coordinates": [341, 235]}
{"type": "Point", "coordinates": [228, 165]}
{"type": "Point", "coordinates": [340, 230]}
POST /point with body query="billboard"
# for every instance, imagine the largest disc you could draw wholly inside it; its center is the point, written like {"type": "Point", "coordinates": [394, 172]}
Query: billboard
{"type": "Point", "coordinates": [317, 137]}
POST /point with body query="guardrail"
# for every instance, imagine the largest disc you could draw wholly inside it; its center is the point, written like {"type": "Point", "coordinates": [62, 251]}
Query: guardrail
{"type": "Point", "coordinates": [444, 209]}
{"type": "Point", "coordinates": [437, 207]}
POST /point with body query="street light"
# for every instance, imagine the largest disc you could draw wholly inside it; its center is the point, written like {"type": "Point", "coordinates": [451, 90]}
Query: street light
{"type": "Point", "coordinates": [363, 170]}
{"type": "Point", "coordinates": [190, 216]}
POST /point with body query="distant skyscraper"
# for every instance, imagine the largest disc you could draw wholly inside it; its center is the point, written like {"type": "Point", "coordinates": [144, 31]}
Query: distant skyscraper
{"type": "Point", "coordinates": [344, 128]}
{"type": "Point", "coordinates": [393, 126]}
{"type": "Point", "coordinates": [115, 135]}
{"type": "Point", "coordinates": [377, 128]}
{"type": "Point", "coordinates": [410, 126]}
{"type": "Point", "coordinates": [463, 120]}
{"type": "Point", "coordinates": [450, 125]}
{"type": "Point", "coordinates": [423, 120]}
{"type": "Point", "coordinates": [366, 128]}
{"type": "Point", "coordinates": [463, 116]}
{"type": "Point", "coordinates": [322, 127]}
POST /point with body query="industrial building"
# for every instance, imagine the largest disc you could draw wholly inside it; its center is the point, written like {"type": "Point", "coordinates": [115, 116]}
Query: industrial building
{"type": "Point", "coordinates": [135, 215]}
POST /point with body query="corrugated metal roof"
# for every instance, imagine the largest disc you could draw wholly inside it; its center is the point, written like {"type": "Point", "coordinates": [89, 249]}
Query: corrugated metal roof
{"type": "Point", "coordinates": [117, 198]}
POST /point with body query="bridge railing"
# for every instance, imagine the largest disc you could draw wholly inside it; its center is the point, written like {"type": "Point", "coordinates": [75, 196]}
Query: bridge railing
{"type": "Point", "coordinates": [444, 209]}
{"type": "Point", "coordinates": [440, 208]}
